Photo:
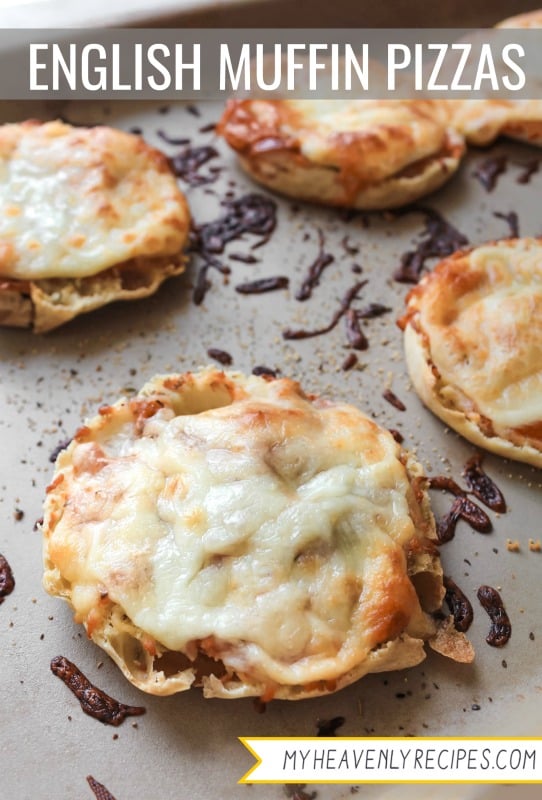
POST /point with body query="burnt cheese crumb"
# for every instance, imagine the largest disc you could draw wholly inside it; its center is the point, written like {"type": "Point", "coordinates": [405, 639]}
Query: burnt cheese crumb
{"type": "Point", "coordinates": [529, 168]}
{"type": "Point", "coordinates": [315, 270]}
{"type": "Point", "coordinates": [459, 605]}
{"type": "Point", "coordinates": [186, 165]}
{"type": "Point", "coordinates": [329, 727]}
{"type": "Point", "coordinates": [489, 170]}
{"type": "Point", "coordinates": [222, 356]}
{"type": "Point", "coordinates": [501, 629]}
{"type": "Point", "coordinates": [440, 239]}
{"type": "Point", "coordinates": [263, 285]}
{"type": "Point", "coordinates": [99, 790]}
{"type": "Point", "coordinates": [393, 400]}
{"type": "Point", "coordinates": [482, 486]}
{"type": "Point", "coordinates": [512, 220]}
{"type": "Point", "coordinates": [355, 336]}
{"type": "Point", "coordinates": [349, 362]}
{"type": "Point", "coordinates": [261, 369]}
{"type": "Point", "coordinates": [345, 304]}
{"type": "Point", "coordinates": [7, 581]}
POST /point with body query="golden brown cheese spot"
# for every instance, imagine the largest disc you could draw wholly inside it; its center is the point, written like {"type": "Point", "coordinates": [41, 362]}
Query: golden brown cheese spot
{"type": "Point", "coordinates": [420, 546]}
{"type": "Point", "coordinates": [77, 240]}
{"type": "Point", "coordinates": [82, 434]}
{"type": "Point", "coordinates": [246, 130]}
{"type": "Point", "coordinates": [143, 410]}
{"type": "Point", "coordinates": [175, 383]}
{"type": "Point", "coordinates": [89, 458]}
{"type": "Point", "coordinates": [55, 483]}
{"type": "Point", "coordinates": [527, 434]}
{"type": "Point", "coordinates": [388, 600]}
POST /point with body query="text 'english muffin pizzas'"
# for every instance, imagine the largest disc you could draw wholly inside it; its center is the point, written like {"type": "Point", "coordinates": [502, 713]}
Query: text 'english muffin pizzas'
{"type": "Point", "coordinates": [364, 154]}
{"type": "Point", "coordinates": [473, 344]}
{"type": "Point", "coordinates": [237, 534]}
{"type": "Point", "coordinates": [87, 216]}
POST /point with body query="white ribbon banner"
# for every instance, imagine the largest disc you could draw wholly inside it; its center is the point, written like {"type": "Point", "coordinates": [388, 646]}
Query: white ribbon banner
{"type": "Point", "coordinates": [394, 760]}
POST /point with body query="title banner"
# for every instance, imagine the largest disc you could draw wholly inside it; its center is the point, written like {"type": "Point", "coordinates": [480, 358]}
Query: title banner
{"type": "Point", "coordinates": [214, 64]}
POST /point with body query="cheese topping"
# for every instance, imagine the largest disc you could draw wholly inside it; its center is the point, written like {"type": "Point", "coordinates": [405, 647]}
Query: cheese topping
{"type": "Point", "coordinates": [387, 135]}
{"type": "Point", "coordinates": [76, 201]}
{"type": "Point", "coordinates": [482, 314]}
{"type": "Point", "coordinates": [240, 516]}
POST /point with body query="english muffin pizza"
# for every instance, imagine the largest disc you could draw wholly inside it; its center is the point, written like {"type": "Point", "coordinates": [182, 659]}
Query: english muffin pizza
{"type": "Point", "coordinates": [473, 342]}
{"type": "Point", "coordinates": [238, 534]}
{"type": "Point", "coordinates": [365, 154]}
{"type": "Point", "coordinates": [530, 19]}
{"type": "Point", "coordinates": [87, 216]}
{"type": "Point", "coordinates": [482, 121]}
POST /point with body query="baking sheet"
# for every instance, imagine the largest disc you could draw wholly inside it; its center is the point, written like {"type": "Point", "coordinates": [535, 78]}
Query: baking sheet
{"type": "Point", "coordinates": [185, 746]}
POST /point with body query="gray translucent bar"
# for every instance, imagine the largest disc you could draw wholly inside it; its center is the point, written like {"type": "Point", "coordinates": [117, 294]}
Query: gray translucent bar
{"type": "Point", "coordinates": [215, 64]}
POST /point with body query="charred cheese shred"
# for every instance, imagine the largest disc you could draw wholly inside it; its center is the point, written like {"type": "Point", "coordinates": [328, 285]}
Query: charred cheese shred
{"type": "Point", "coordinates": [278, 535]}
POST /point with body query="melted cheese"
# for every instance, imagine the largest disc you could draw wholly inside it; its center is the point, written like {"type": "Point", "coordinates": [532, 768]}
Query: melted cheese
{"type": "Point", "coordinates": [269, 524]}
{"type": "Point", "coordinates": [76, 201]}
{"type": "Point", "coordinates": [387, 134]}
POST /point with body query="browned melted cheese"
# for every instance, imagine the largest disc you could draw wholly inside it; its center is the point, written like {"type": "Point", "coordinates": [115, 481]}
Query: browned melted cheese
{"type": "Point", "coordinates": [241, 519]}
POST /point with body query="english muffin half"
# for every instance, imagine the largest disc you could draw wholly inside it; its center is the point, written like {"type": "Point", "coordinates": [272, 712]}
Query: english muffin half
{"type": "Point", "coordinates": [87, 216]}
{"type": "Point", "coordinates": [237, 534]}
{"type": "Point", "coordinates": [364, 154]}
{"type": "Point", "coordinates": [473, 343]}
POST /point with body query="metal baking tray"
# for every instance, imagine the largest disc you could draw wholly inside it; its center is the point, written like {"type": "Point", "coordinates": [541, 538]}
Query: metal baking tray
{"type": "Point", "coordinates": [185, 746]}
